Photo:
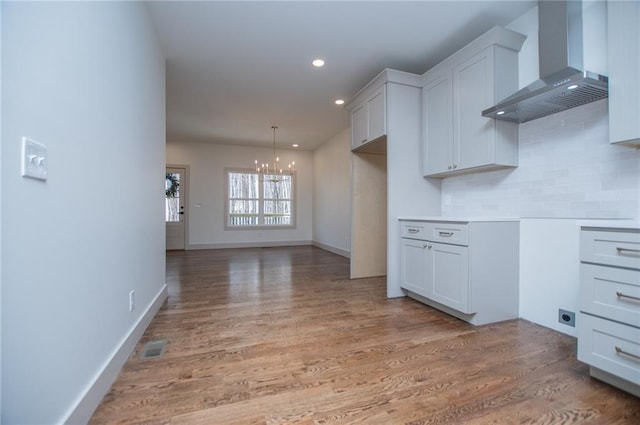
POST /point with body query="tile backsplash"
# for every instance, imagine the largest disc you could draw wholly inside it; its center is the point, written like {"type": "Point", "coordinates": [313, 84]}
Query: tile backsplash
{"type": "Point", "coordinates": [567, 169]}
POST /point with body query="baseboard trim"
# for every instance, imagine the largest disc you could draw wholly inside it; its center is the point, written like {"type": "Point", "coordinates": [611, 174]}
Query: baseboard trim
{"type": "Point", "coordinates": [338, 251]}
{"type": "Point", "coordinates": [82, 410]}
{"type": "Point", "coordinates": [264, 244]}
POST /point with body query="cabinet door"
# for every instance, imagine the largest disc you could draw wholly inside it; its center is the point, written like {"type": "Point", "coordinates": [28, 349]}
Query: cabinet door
{"type": "Point", "coordinates": [359, 126]}
{"type": "Point", "coordinates": [624, 66]}
{"type": "Point", "coordinates": [376, 114]}
{"type": "Point", "coordinates": [448, 276]}
{"type": "Point", "coordinates": [412, 266]}
{"type": "Point", "coordinates": [438, 125]}
{"type": "Point", "coordinates": [473, 134]}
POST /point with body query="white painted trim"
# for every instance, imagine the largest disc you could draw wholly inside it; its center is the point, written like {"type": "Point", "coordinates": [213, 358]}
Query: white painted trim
{"type": "Point", "coordinates": [337, 251]}
{"type": "Point", "coordinates": [86, 404]}
{"type": "Point", "coordinates": [246, 245]}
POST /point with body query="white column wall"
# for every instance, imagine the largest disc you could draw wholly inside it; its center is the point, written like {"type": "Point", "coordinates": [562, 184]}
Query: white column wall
{"type": "Point", "coordinates": [87, 79]}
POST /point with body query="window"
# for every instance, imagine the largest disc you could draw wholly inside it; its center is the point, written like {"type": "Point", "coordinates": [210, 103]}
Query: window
{"type": "Point", "coordinates": [254, 202]}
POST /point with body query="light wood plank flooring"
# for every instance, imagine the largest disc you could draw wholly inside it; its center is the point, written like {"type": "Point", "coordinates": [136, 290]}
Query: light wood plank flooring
{"type": "Point", "coordinates": [282, 336]}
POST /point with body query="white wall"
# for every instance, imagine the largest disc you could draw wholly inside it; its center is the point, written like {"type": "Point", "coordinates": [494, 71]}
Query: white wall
{"type": "Point", "coordinates": [408, 192]}
{"type": "Point", "coordinates": [332, 194]}
{"type": "Point", "coordinates": [527, 24]}
{"type": "Point", "coordinates": [206, 222]}
{"type": "Point", "coordinates": [549, 271]}
{"type": "Point", "coordinates": [86, 79]}
{"type": "Point", "coordinates": [0, 212]}
{"type": "Point", "coordinates": [567, 171]}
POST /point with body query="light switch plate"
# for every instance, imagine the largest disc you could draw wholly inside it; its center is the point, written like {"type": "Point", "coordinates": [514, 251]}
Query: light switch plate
{"type": "Point", "coordinates": [34, 159]}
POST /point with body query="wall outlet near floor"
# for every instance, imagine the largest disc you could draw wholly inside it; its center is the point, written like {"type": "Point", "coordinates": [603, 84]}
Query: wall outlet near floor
{"type": "Point", "coordinates": [567, 317]}
{"type": "Point", "coordinates": [132, 300]}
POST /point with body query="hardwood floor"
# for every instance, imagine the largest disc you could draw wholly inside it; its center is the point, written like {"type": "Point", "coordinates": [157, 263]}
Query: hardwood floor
{"type": "Point", "coordinates": [282, 336]}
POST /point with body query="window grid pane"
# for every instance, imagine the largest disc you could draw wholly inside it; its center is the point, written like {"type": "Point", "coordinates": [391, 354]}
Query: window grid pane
{"type": "Point", "coordinates": [247, 207]}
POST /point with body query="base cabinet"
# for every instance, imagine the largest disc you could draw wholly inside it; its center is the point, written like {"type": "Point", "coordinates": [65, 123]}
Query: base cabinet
{"type": "Point", "coordinates": [437, 271]}
{"type": "Point", "coordinates": [609, 320]}
{"type": "Point", "coordinates": [465, 268]}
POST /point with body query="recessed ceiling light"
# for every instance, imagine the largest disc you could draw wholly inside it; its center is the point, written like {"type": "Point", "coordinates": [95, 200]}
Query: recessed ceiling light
{"type": "Point", "coordinates": [295, 145]}
{"type": "Point", "coordinates": [572, 86]}
{"type": "Point", "coordinates": [500, 113]}
{"type": "Point", "coordinates": [317, 63]}
{"type": "Point", "coordinates": [339, 102]}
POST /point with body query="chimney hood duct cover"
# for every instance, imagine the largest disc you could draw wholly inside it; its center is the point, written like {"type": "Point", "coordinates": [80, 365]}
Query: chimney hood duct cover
{"type": "Point", "coordinates": [563, 84]}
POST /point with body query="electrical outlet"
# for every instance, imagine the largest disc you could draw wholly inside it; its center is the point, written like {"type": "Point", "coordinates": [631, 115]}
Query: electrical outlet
{"type": "Point", "coordinates": [132, 300]}
{"type": "Point", "coordinates": [567, 317]}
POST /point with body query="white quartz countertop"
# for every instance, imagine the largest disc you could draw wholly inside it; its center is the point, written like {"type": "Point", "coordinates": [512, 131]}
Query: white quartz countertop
{"type": "Point", "coordinates": [610, 224]}
{"type": "Point", "coordinates": [456, 219]}
{"type": "Point", "coordinates": [593, 223]}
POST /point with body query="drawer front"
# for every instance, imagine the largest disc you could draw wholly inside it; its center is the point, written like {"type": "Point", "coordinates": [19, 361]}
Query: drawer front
{"type": "Point", "coordinates": [611, 248]}
{"type": "Point", "coordinates": [610, 346]}
{"type": "Point", "coordinates": [611, 293]}
{"type": "Point", "coordinates": [413, 230]}
{"type": "Point", "coordinates": [452, 233]}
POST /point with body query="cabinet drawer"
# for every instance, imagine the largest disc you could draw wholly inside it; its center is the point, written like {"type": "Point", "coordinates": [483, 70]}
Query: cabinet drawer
{"type": "Point", "coordinates": [413, 230]}
{"type": "Point", "coordinates": [610, 346]}
{"type": "Point", "coordinates": [452, 233]}
{"type": "Point", "coordinates": [611, 248]}
{"type": "Point", "coordinates": [611, 293]}
{"type": "Point", "coordinates": [436, 231]}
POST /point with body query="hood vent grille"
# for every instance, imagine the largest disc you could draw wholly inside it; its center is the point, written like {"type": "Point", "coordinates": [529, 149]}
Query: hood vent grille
{"type": "Point", "coordinates": [563, 83]}
{"type": "Point", "coordinates": [550, 100]}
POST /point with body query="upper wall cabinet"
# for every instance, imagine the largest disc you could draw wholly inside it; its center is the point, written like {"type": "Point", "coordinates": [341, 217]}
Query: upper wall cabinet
{"type": "Point", "coordinates": [624, 70]}
{"type": "Point", "coordinates": [368, 119]}
{"type": "Point", "coordinates": [370, 110]}
{"type": "Point", "coordinates": [457, 138]}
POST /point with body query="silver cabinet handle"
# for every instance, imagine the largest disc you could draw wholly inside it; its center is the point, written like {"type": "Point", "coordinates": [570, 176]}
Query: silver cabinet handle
{"type": "Point", "coordinates": [631, 297]}
{"type": "Point", "coordinates": [364, 141]}
{"type": "Point", "coordinates": [413, 230]}
{"type": "Point", "coordinates": [427, 246]}
{"type": "Point", "coordinates": [446, 234]}
{"type": "Point", "coordinates": [626, 353]}
{"type": "Point", "coordinates": [633, 251]}
{"type": "Point", "coordinates": [455, 166]}
{"type": "Point", "coordinates": [449, 167]}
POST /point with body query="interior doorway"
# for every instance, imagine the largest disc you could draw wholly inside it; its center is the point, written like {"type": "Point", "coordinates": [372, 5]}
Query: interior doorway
{"type": "Point", "coordinates": [174, 206]}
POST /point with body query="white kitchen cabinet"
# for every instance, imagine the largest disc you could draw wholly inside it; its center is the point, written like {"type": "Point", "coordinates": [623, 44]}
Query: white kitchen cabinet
{"type": "Point", "coordinates": [467, 268]}
{"type": "Point", "coordinates": [437, 96]}
{"type": "Point", "coordinates": [623, 39]}
{"type": "Point", "coordinates": [609, 320]}
{"type": "Point", "coordinates": [368, 119]}
{"type": "Point", "coordinates": [381, 177]}
{"type": "Point", "coordinates": [457, 138]}
{"type": "Point", "coordinates": [413, 264]}
{"type": "Point", "coordinates": [436, 271]}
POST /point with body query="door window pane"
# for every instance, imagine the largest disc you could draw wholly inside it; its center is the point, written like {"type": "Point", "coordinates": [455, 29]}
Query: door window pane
{"type": "Point", "coordinates": [172, 197]}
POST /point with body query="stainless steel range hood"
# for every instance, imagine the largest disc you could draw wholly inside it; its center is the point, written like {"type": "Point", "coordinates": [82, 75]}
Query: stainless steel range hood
{"type": "Point", "coordinates": [564, 83]}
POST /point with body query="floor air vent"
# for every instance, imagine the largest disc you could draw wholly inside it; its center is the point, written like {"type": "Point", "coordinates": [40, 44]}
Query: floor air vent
{"type": "Point", "coordinates": [154, 349]}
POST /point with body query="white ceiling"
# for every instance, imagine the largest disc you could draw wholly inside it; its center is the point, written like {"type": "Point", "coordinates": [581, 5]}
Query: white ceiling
{"type": "Point", "coordinates": [236, 68]}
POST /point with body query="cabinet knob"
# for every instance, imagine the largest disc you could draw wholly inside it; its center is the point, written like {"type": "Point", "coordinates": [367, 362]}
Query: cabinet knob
{"type": "Point", "coordinates": [449, 166]}
{"type": "Point", "coordinates": [455, 166]}
{"type": "Point", "coordinates": [426, 245]}
{"type": "Point", "coordinates": [364, 141]}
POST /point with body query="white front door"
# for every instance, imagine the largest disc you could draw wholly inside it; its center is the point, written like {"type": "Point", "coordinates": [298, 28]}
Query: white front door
{"type": "Point", "coordinates": [175, 191]}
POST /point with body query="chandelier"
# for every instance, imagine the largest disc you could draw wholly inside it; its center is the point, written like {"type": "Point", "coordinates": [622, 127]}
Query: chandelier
{"type": "Point", "coordinates": [272, 172]}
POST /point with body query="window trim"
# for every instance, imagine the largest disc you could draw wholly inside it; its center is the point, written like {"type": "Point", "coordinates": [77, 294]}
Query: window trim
{"type": "Point", "coordinates": [261, 200]}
